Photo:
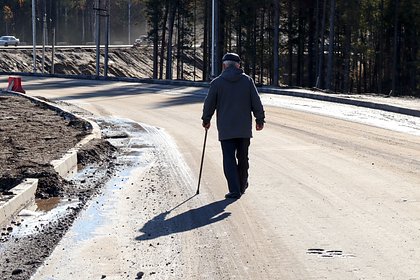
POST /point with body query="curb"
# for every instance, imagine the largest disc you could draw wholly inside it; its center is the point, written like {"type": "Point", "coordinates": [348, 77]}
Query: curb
{"type": "Point", "coordinates": [66, 166]}
{"type": "Point", "coordinates": [23, 195]}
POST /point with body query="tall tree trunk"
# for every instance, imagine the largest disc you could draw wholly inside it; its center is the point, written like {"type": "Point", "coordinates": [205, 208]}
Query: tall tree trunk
{"type": "Point", "coordinates": [181, 44]}
{"type": "Point", "coordinates": [320, 75]}
{"type": "Point", "coordinates": [359, 73]}
{"type": "Point", "coordinates": [312, 52]}
{"type": "Point", "coordinates": [270, 58]}
{"type": "Point", "coordinates": [248, 46]}
{"type": "Point", "coordinates": [301, 39]}
{"type": "Point", "coordinates": [83, 26]}
{"type": "Point", "coordinates": [205, 45]}
{"type": "Point", "coordinates": [364, 73]}
{"type": "Point", "coordinates": [254, 46]}
{"type": "Point", "coordinates": [290, 42]}
{"type": "Point", "coordinates": [316, 39]}
{"type": "Point", "coordinates": [155, 34]}
{"type": "Point", "coordinates": [395, 50]}
{"type": "Point", "coordinates": [276, 23]}
{"type": "Point", "coordinates": [163, 41]}
{"type": "Point", "coordinates": [331, 46]}
{"type": "Point", "coordinates": [178, 46]}
{"type": "Point", "coordinates": [347, 53]}
{"type": "Point", "coordinates": [172, 13]}
{"type": "Point", "coordinates": [219, 19]}
{"type": "Point", "coordinates": [261, 49]}
{"type": "Point", "coordinates": [379, 63]}
{"type": "Point", "coordinates": [239, 32]}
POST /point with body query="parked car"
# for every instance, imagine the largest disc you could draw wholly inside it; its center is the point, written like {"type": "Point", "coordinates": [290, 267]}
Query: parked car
{"type": "Point", "coordinates": [9, 40]}
{"type": "Point", "coordinates": [142, 40]}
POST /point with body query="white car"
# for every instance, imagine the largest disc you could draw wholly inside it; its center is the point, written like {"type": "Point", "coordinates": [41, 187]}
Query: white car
{"type": "Point", "coordinates": [142, 40]}
{"type": "Point", "coordinates": [9, 40]}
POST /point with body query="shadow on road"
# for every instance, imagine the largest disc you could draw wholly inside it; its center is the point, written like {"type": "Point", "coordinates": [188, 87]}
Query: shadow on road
{"type": "Point", "coordinates": [191, 219]}
{"type": "Point", "coordinates": [182, 99]}
{"type": "Point", "coordinates": [112, 91]}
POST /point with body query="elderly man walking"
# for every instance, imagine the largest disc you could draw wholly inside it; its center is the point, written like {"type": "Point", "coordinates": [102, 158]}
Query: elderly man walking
{"type": "Point", "coordinates": [234, 97]}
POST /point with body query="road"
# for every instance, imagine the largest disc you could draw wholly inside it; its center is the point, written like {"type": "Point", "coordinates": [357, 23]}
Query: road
{"type": "Point", "coordinates": [328, 198]}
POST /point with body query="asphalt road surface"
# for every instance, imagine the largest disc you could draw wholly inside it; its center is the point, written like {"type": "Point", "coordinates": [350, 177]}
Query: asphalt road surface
{"type": "Point", "coordinates": [328, 198]}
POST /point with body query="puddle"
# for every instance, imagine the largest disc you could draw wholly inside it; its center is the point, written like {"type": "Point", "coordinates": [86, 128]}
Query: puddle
{"type": "Point", "coordinates": [34, 218]}
{"type": "Point", "coordinates": [46, 205]}
{"type": "Point", "coordinates": [134, 156]}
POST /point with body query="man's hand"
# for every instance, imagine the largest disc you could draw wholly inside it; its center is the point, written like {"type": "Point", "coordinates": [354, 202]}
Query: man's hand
{"type": "Point", "coordinates": [206, 125]}
{"type": "Point", "coordinates": [260, 126]}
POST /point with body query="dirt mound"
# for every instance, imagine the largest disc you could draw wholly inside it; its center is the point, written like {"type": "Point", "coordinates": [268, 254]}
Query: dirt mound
{"type": "Point", "coordinates": [133, 62]}
{"type": "Point", "coordinates": [32, 136]}
{"type": "Point", "coordinates": [96, 151]}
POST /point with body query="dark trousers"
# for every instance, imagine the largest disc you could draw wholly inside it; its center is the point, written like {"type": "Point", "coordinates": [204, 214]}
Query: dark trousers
{"type": "Point", "coordinates": [235, 163]}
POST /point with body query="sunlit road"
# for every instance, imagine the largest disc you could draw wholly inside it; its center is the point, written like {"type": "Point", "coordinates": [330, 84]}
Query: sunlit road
{"type": "Point", "coordinates": [328, 199]}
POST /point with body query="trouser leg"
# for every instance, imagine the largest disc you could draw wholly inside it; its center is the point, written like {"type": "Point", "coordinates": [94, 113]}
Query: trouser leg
{"type": "Point", "coordinates": [230, 166]}
{"type": "Point", "coordinates": [243, 162]}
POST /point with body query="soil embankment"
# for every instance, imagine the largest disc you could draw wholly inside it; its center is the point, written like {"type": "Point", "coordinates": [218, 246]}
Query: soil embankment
{"type": "Point", "coordinates": [32, 136]}
{"type": "Point", "coordinates": [132, 62]}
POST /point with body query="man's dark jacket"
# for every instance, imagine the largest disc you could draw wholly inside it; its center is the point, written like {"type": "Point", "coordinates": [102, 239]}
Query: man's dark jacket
{"type": "Point", "coordinates": [234, 96]}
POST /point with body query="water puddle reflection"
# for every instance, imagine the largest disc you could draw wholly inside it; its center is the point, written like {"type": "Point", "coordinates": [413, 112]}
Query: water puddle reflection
{"type": "Point", "coordinates": [46, 205]}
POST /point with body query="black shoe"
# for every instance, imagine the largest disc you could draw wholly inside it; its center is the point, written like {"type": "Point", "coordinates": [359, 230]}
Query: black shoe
{"type": "Point", "coordinates": [233, 195]}
{"type": "Point", "coordinates": [243, 189]}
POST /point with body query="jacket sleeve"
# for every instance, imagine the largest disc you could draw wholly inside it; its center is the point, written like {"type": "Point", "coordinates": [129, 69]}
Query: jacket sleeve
{"type": "Point", "coordinates": [256, 105]}
{"type": "Point", "coordinates": [210, 104]}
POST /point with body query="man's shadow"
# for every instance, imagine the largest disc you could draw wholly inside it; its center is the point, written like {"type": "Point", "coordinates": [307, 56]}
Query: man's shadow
{"type": "Point", "coordinates": [191, 219]}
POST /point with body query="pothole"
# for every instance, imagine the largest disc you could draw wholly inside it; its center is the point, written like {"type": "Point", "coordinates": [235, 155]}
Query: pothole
{"type": "Point", "coordinates": [323, 253]}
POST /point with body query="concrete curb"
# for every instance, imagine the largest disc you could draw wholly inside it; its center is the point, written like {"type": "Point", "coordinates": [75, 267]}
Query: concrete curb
{"type": "Point", "coordinates": [23, 195]}
{"type": "Point", "coordinates": [66, 166]}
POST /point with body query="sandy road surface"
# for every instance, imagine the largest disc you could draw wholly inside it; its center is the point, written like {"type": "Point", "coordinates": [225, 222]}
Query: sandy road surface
{"type": "Point", "coordinates": [328, 199]}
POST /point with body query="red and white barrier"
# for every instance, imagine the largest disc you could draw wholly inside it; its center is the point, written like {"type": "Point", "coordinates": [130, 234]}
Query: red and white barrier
{"type": "Point", "coordinates": [15, 84]}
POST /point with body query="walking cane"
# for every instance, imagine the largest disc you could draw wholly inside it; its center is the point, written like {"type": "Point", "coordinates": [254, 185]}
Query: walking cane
{"type": "Point", "coordinates": [202, 159]}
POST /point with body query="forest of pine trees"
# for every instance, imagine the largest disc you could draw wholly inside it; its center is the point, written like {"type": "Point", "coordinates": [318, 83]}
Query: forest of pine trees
{"type": "Point", "coordinates": [359, 46]}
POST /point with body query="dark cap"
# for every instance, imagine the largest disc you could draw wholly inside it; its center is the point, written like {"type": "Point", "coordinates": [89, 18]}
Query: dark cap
{"type": "Point", "coordinates": [231, 57]}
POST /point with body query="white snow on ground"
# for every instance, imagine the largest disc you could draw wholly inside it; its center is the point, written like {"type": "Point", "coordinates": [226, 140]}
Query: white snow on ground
{"type": "Point", "coordinates": [374, 117]}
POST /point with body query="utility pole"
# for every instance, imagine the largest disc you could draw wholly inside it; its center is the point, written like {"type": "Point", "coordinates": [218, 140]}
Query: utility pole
{"type": "Point", "coordinates": [34, 35]}
{"type": "Point", "coordinates": [98, 36]}
{"type": "Point", "coordinates": [129, 22]}
{"type": "Point", "coordinates": [108, 25]}
{"type": "Point", "coordinates": [44, 35]}
{"type": "Point", "coordinates": [53, 51]}
{"type": "Point", "coordinates": [195, 37]}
